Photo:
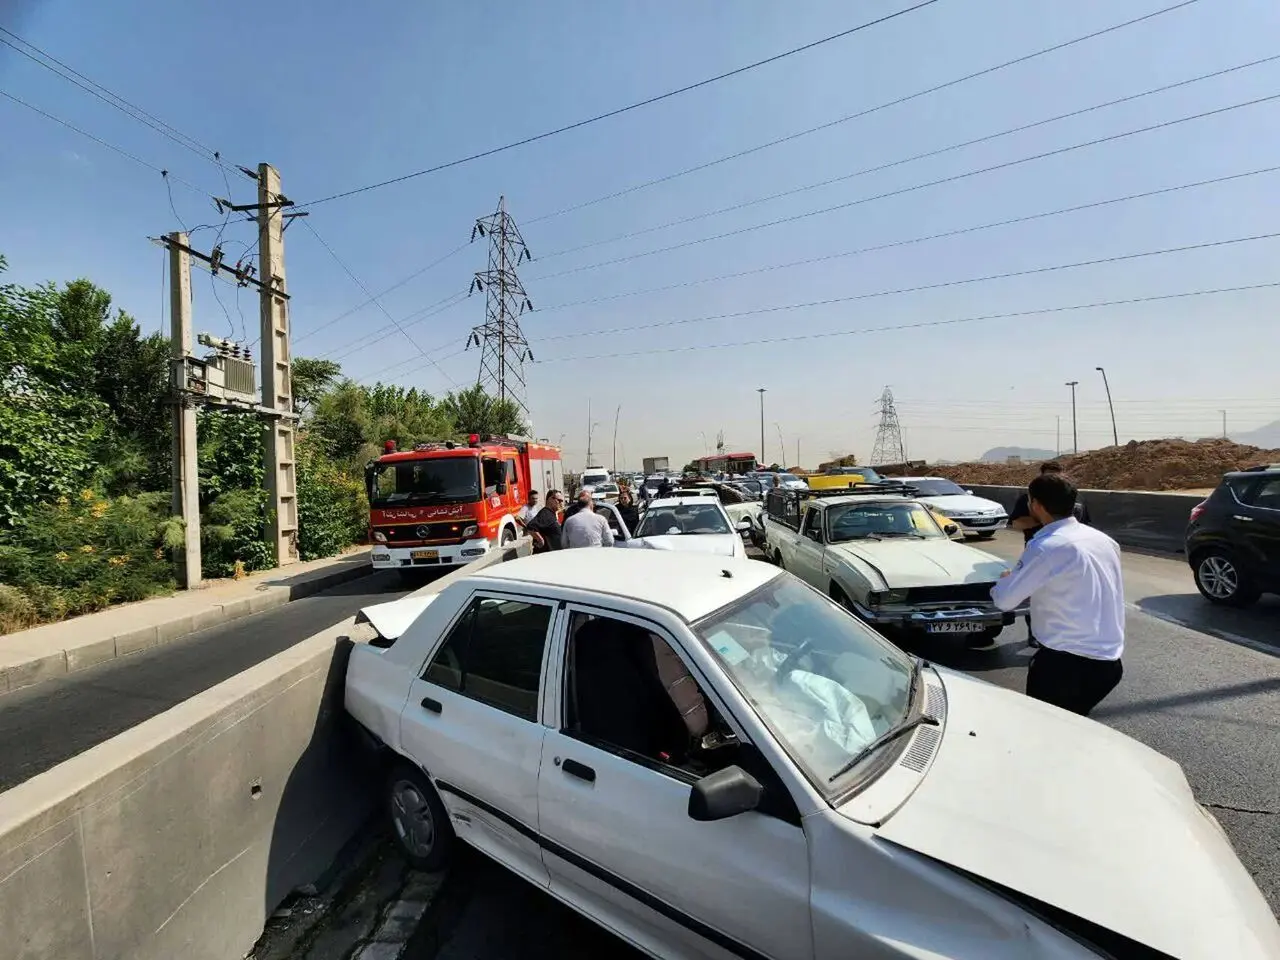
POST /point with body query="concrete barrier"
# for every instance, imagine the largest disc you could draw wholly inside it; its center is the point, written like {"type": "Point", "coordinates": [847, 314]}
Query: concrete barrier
{"type": "Point", "coordinates": [179, 837]}
{"type": "Point", "coordinates": [1153, 521]}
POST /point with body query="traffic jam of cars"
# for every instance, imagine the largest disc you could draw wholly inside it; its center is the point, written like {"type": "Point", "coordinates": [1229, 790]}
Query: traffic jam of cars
{"type": "Point", "coordinates": [711, 739]}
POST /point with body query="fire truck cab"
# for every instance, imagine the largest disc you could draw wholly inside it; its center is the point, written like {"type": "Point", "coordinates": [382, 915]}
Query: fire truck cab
{"type": "Point", "coordinates": [446, 504]}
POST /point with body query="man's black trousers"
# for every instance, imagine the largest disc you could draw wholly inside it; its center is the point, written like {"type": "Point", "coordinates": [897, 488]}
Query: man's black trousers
{"type": "Point", "coordinates": [1070, 681]}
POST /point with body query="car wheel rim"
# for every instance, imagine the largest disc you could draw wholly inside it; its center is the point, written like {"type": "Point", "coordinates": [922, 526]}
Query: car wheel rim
{"type": "Point", "coordinates": [1218, 576]}
{"type": "Point", "coordinates": [412, 818]}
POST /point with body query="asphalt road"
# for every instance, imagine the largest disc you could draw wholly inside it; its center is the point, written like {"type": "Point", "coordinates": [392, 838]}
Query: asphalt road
{"type": "Point", "coordinates": [1201, 685]}
{"type": "Point", "coordinates": [43, 725]}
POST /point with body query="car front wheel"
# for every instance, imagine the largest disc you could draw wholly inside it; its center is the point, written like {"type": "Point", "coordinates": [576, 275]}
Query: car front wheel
{"type": "Point", "coordinates": [1220, 580]}
{"type": "Point", "coordinates": [419, 820]}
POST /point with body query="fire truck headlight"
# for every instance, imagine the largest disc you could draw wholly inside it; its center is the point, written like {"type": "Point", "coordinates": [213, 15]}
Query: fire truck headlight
{"type": "Point", "coordinates": [470, 530]}
{"type": "Point", "coordinates": [380, 537]}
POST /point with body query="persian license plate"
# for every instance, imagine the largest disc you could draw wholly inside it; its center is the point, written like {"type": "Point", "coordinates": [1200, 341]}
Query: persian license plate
{"type": "Point", "coordinates": [424, 554]}
{"type": "Point", "coordinates": [955, 626]}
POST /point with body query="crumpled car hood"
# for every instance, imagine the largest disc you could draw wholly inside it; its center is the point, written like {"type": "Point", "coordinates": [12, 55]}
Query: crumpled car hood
{"type": "Point", "coordinates": [1078, 816]}
{"type": "Point", "coordinates": [924, 563]}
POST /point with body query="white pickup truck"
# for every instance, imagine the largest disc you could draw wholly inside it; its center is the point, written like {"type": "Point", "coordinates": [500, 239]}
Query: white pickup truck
{"type": "Point", "coordinates": [880, 553]}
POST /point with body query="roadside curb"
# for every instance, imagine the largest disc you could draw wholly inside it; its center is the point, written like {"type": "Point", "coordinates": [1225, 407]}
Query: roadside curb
{"type": "Point", "coordinates": [24, 668]}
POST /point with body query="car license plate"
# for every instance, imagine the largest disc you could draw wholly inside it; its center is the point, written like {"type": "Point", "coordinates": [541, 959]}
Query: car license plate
{"type": "Point", "coordinates": [425, 554]}
{"type": "Point", "coordinates": [955, 626]}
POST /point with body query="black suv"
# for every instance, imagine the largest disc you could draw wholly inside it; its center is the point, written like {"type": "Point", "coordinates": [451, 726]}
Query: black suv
{"type": "Point", "coordinates": [1233, 539]}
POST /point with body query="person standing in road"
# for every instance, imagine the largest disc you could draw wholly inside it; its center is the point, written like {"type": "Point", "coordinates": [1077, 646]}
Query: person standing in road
{"type": "Point", "coordinates": [1071, 574]}
{"type": "Point", "coordinates": [586, 528]}
{"type": "Point", "coordinates": [529, 510]}
{"type": "Point", "coordinates": [545, 527]}
{"type": "Point", "coordinates": [1020, 518]}
{"type": "Point", "coordinates": [627, 510]}
{"type": "Point", "coordinates": [584, 499]}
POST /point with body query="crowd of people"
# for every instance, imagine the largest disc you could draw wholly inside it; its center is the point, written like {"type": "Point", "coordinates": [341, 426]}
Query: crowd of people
{"type": "Point", "coordinates": [1069, 575]}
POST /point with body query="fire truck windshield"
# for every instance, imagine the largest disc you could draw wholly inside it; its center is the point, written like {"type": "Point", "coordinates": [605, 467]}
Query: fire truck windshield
{"type": "Point", "coordinates": [433, 480]}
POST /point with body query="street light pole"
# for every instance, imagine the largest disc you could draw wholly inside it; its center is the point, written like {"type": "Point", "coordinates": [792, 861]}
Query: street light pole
{"type": "Point", "coordinates": [1224, 423]}
{"type": "Point", "coordinates": [1075, 435]}
{"type": "Point", "coordinates": [761, 391]}
{"type": "Point", "coordinates": [1115, 437]}
{"type": "Point", "coordinates": [615, 438]}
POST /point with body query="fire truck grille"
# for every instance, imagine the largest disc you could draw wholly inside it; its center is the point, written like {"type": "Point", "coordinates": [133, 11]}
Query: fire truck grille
{"type": "Point", "coordinates": [446, 530]}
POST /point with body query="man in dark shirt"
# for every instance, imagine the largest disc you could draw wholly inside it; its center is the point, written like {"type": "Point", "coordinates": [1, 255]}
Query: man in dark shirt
{"type": "Point", "coordinates": [545, 526]}
{"type": "Point", "coordinates": [1020, 518]}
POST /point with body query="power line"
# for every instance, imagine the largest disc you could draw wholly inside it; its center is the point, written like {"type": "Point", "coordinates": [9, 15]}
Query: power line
{"type": "Point", "coordinates": [351, 348]}
{"type": "Point", "coordinates": [866, 112]}
{"type": "Point", "coordinates": [110, 146]}
{"type": "Point", "coordinates": [71, 75]}
{"type": "Point", "coordinates": [1119, 258]}
{"type": "Point", "coordinates": [923, 324]}
{"type": "Point", "coordinates": [919, 156]}
{"type": "Point", "coordinates": [632, 106]}
{"type": "Point", "coordinates": [961, 231]}
{"type": "Point", "coordinates": [914, 187]}
{"type": "Point", "coordinates": [395, 286]}
{"type": "Point", "coordinates": [360, 283]}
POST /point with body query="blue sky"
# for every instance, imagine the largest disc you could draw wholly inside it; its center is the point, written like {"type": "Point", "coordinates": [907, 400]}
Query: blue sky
{"type": "Point", "coordinates": [350, 94]}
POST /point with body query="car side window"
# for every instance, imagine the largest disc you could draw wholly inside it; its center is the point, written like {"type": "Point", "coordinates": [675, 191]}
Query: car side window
{"type": "Point", "coordinates": [812, 521]}
{"type": "Point", "coordinates": [627, 691]}
{"type": "Point", "coordinates": [1264, 494]}
{"type": "Point", "coordinates": [494, 654]}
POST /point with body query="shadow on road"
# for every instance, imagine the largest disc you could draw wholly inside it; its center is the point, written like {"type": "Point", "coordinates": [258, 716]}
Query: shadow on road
{"type": "Point", "coordinates": [1259, 624]}
{"type": "Point", "coordinates": [1232, 692]}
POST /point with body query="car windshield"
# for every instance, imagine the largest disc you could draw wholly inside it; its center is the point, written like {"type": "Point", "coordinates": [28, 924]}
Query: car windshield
{"type": "Point", "coordinates": [822, 682]}
{"type": "Point", "coordinates": [875, 521]}
{"type": "Point", "coordinates": [935, 488]}
{"type": "Point", "coordinates": [683, 518]}
{"type": "Point", "coordinates": [434, 480]}
{"type": "Point", "coordinates": [606, 488]}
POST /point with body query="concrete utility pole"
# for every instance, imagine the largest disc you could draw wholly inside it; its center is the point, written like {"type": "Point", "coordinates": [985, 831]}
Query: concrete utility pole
{"type": "Point", "coordinates": [1224, 423]}
{"type": "Point", "coordinates": [761, 391]}
{"type": "Point", "coordinates": [1075, 436]}
{"type": "Point", "coordinates": [1057, 443]}
{"type": "Point", "coordinates": [277, 380]}
{"type": "Point", "coordinates": [186, 471]}
{"type": "Point", "coordinates": [615, 437]}
{"type": "Point", "coordinates": [1115, 437]}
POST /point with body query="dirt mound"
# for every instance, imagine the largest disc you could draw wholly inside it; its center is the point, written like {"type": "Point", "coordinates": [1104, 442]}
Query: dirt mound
{"type": "Point", "coordinates": [1136, 465]}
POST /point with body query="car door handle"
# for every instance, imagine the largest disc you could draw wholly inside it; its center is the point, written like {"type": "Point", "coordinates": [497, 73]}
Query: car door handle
{"type": "Point", "coordinates": [435, 706]}
{"type": "Point", "coordinates": [1236, 516]}
{"type": "Point", "coordinates": [579, 770]}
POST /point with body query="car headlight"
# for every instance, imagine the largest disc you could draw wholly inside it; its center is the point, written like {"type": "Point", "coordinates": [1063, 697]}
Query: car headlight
{"type": "Point", "coordinates": [379, 537]}
{"type": "Point", "coordinates": [879, 597]}
{"type": "Point", "coordinates": [470, 530]}
{"type": "Point", "coordinates": [945, 511]}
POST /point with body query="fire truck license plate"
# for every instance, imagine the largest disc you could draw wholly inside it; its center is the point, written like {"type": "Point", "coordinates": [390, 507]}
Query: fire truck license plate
{"type": "Point", "coordinates": [955, 626]}
{"type": "Point", "coordinates": [425, 554]}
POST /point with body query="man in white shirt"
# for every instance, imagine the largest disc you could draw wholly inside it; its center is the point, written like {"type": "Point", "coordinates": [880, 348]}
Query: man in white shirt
{"type": "Point", "coordinates": [586, 528]}
{"type": "Point", "coordinates": [1071, 573]}
{"type": "Point", "coordinates": [530, 509]}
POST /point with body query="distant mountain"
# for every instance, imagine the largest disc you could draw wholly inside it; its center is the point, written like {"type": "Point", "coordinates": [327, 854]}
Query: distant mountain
{"type": "Point", "coordinates": [1267, 437]}
{"type": "Point", "coordinates": [1028, 454]}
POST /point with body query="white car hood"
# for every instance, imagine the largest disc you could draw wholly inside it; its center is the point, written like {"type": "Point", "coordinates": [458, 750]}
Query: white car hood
{"type": "Point", "coordinates": [720, 544]}
{"type": "Point", "coordinates": [1076, 815]}
{"type": "Point", "coordinates": [964, 503]}
{"type": "Point", "coordinates": [392, 619]}
{"type": "Point", "coordinates": [908, 562]}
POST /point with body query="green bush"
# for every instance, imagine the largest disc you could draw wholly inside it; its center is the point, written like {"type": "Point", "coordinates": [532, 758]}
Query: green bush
{"type": "Point", "coordinates": [231, 532]}
{"type": "Point", "coordinates": [333, 512]}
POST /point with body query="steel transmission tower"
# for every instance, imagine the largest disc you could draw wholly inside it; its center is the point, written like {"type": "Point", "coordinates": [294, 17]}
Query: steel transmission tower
{"type": "Point", "coordinates": [504, 348]}
{"type": "Point", "coordinates": [888, 448]}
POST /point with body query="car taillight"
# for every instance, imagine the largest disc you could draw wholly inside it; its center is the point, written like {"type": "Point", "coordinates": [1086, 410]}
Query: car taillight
{"type": "Point", "coordinates": [1198, 509]}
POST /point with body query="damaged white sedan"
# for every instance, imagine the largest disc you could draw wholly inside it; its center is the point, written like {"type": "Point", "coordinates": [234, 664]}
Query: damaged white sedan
{"type": "Point", "coordinates": [711, 759]}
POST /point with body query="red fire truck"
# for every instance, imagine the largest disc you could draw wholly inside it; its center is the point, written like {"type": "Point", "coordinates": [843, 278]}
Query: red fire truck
{"type": "Point", "coordinates": [443, 504]}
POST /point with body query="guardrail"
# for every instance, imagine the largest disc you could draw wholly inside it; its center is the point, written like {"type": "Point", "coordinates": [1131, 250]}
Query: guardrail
{"type": "Point", "coordinates": [181, 836]}
{"type": "Point", "coordinates": [1153, 521]}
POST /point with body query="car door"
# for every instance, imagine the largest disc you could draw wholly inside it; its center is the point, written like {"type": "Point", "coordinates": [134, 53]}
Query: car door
{"type": "Point", "coordinates": [618, 839]}
{"type": "Point", "coordinates": [807, 563]}
{"type": "Point", "coordinates": [472, 722]}
{"type": "Point", "coordinates": [1257, 523]}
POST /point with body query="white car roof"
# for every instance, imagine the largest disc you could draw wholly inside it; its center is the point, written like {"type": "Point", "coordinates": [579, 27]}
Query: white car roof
{"type": "Point", "coordinates": [691, 584]}
{"type": "Point", "coordinates": [694, 498]}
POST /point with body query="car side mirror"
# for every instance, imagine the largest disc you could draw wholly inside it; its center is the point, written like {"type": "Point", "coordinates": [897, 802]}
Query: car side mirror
{"type": "Point", "coordinates": [814, 534]}
{"type": "Point", "coordinates": [724, 794]}
{"type": "Point", "coordinates": [951, 529]}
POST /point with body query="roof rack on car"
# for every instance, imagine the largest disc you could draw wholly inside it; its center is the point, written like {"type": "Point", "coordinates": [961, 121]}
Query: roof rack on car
{"type": "Point", "coordinates": [854, 489]}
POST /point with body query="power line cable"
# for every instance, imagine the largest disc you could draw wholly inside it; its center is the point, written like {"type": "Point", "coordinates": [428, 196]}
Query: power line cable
{"type": "Point", "coordinates": [1121, 258]}
{"type": "Point", "coordinates": [866, 112]}
{"type": "Point", "coordinates": [919, 156]}
{"type": "Point", "coordinates": [360, 283]}
{"type": "Point", "coordinates": [110, 146]}
{"type": "Point", "coordinates": [395, 286]}
{"type": "Point", "coordinates": [360, 344]}
{"type": "Point", "coordinates": [914, 187]}
{"type": "Point", "coordinates": [632, 106]}
{"type": "Point", "coordinates": [923, 324]}
{"type": "Point", "coordinates": [71, 75]}
{"type": "Point", "coordinates": [960, 231]}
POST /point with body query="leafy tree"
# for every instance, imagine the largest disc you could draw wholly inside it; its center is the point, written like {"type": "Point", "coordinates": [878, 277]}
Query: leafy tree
{"type": "Point", "coordinates": [312, 379]}
{"type": "Point", "coordinates": [351, 422]}
{"type": "Point", "coordinates": [473, 410]}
